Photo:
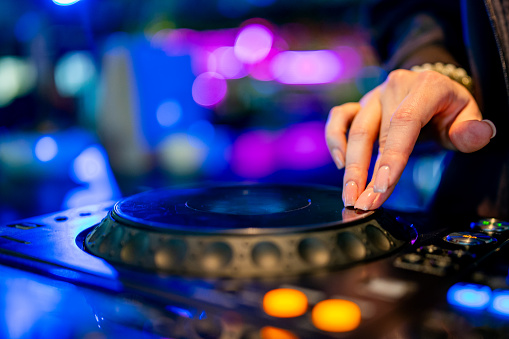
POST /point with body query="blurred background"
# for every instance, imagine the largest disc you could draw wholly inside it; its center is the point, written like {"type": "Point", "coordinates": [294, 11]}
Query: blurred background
{"type": "Point", "coordinates": [101, 99]}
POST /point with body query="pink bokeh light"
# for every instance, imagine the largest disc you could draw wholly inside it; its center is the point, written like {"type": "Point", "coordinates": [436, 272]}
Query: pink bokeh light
{"type": "Point", "coordinates": [253, 43]}
{"type": "Point", "coordinates": [223, 61]}
{"type": "Point", "coordinates": [209, 89]}
{"type": "Point", "coordinates": [306, 67]}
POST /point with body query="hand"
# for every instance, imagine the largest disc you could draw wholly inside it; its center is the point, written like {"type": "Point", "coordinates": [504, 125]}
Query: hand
{"type": "Point", "coordinates": [395, 112]}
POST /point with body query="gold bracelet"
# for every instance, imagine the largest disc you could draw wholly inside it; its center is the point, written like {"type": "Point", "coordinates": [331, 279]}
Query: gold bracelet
{"type": "Point", "coordinates": [457, 74]}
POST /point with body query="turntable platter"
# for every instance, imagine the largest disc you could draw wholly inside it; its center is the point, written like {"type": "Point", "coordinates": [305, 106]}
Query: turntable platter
{"type": "Point", "coordinates": [242, 230]}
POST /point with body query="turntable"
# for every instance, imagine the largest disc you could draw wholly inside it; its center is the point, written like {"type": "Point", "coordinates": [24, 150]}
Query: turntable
{"type": "Point", "coordinates": [265, 261]}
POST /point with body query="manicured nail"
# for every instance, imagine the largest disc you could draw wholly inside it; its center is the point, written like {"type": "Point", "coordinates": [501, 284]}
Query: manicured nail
{"type": "Point", "coordinates": [382, 180]}
{"type": "Point", "coordinates": [493, 128]}
{"type": "Point", "coordinates": [366, 200]}
{"type": "Point", "coordinates": [350, 193]}
{"type": "Point", "coordinates": [338, 158]}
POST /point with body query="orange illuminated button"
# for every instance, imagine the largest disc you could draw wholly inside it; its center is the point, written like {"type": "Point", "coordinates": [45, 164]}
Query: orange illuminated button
{"type": "Point", "coordinates": [285, 303]}
{"type": "Point", "coordinates": [336, 315]}
{"type": "Point", "coordinates": [269, 332]}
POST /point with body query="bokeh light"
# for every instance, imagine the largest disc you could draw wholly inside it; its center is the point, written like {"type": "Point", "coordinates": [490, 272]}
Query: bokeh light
{"type": "Point", "coordinates": [253, 43]}
{"type": "Point", "coordinates": [169, 113]}
{"type": "Point", "coordinates": [182, 155]}
{"type": "Point", "coordinates": [65, 2]}
{"type": "Point", "coordinates": [252, 155]}
{"type": "Point", "coordinates": [89, 166]}
{"type": "Point", "coordinates": [469, 296]}
{"type": "Point", "coordinates": [73, 72]}
{"type": "Point", "coordinates": [306, 67]}
{"type": "Point", "coordinates": [46, 149]}
{"type": "Point", "coordinates": [17, 76]}
{"type": "Point", "coordinates": [209, 89]}
{"type": "Point", "coordinates": [270, 332]}
{"type": "Point", "coordinates": [500, 303]}
{"type": "Point", "coordinates": [224, 61]}
{"type": "Point", "coordinates": [302, 146]}
{"type": "Point", "coordinates": [336, 315]}
{"type": "Point", "coordinates": [369, 77]}
{"type": "Point", "coordinates": [285, 303]}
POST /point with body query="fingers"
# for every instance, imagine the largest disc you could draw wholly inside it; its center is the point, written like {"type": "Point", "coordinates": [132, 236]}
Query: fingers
{"type": "Point", "coordinates": [433, 97]}
{"type": "Point", "coordinates": [395, 112]}
{"type": "Point", "coordinates": [340, 118]}
{"type": "Point", "coordinates": [363, 133]}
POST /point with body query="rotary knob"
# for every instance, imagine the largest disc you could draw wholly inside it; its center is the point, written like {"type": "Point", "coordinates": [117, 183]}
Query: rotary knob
{"type": "Point", "coordinates": [469, 239]}
{"type": "Point", "coordinates": [490, 225]}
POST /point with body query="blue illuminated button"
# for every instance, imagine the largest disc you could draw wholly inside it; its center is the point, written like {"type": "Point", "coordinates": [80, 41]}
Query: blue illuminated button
{"type": "Point", "coordinates": [470, 296]}
{"type": "Point", "coordinates": [490, 225]}
{"type": "Point", "coordinates": [469, 238]}
{"type": "Point", "coordinates": [500, 302]}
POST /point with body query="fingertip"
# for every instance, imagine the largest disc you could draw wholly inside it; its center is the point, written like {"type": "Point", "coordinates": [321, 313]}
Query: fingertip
{"type": "Point", "coordinates": [492, 126]}
{"type": "Point", "coordinates": [472, 135]}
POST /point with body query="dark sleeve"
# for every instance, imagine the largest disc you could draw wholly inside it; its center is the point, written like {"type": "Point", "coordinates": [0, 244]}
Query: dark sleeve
{"type": "Point", "coordinates": [406, 32]}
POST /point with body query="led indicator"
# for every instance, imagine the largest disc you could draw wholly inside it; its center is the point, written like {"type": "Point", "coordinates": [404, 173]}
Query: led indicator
{"type": "Point", "coordinates": [269, 332]}
{"type": "Point", "coordinates": [471, 296]}
{"type": "Point", "coordinates": [285, 303]}
{"type": "Point", "coordinates": [336, 315]}
{"type": "Point", "coordinates": [500, 303]}
{"type": "Point", "coordinates": [65, 2]}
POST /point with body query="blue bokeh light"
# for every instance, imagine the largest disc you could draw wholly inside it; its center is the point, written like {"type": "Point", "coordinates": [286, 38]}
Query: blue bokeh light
{"type": "Point", "coordinates": [500, 303]}
{"type": "Point", "coordinates": [46, 149]}
{"type": "Point", "coordinates": [470, 296]}
{"type": "Point", "coordinates": [65, 2]}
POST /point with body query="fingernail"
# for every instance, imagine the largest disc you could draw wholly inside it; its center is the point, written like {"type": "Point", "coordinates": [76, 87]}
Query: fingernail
{"type": "Point", "coordinates": [350, 193]}
{"type": "Point", "coordinates": [493, 128]}
{"type": "Point", "coordinates": [338, 158]}
{"type": "Point", "coordinates": [382, 179]}
{"type": "Point", "coordinates": [366, 200]}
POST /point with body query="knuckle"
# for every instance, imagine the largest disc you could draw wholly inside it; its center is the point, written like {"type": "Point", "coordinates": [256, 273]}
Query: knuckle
{"type": "Point", "coordinates": [396, 76]}
{"type": "Point", "coordinates": [359, 133]}
{"type": "Point", "coordinates": [355, 170]}
{"type": "Point", "coordinates": [403, 116]}
{"type": "Point", "coordinates": [432, 77]}
{"type": "Point", "coordinates": [341, 109]}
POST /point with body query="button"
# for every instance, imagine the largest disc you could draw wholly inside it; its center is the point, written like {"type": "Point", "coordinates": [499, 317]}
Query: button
{"type": "Point", "coordinates": [412, 258]}
{"type": "Point", "coordinates": [269, 332]}
{"type": "Point", "coordinates": [490, 225]}
{"type": "Point", "coordinates": [469, 239]}
{"type": "Point", "coordinates": [217, 255]}
{"type": "Point", "coordinates": [266, 255]}
{"type": "Point", "coordinates": [336, 315]}
{"type": "Point", "coordinates": [285, 303]}
{"type": "Point", "coordinates": [351, 246]}
{"type": "Point", "coordinates": [377, 238]}
{"type": "Point", "coordinates": [314, 251]}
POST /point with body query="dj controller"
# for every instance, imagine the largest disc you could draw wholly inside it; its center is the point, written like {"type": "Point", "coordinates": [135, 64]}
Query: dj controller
{"type": "Point", "coordinates": [260, 261]}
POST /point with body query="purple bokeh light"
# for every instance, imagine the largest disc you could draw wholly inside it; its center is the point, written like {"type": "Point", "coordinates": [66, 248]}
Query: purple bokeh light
{"type": "Point", "coordinates": [306, 67]}
{"type": "Point", "coordinates": [252, 155]}
{"type": "Point", "coordinates": [302, 146]}
{"type": "Point", "coordinates": [209, 89]}
{"type": "Point", "coordinates": [253, 43]}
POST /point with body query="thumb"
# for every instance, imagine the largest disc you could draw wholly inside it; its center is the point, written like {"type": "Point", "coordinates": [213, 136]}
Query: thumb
{"type": "Point", "coordinates": [471, 135]}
